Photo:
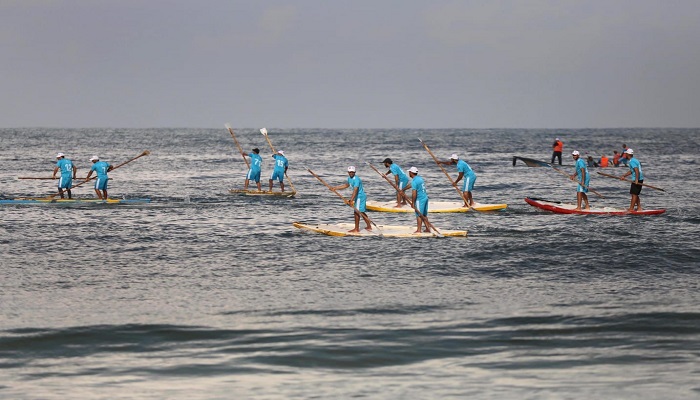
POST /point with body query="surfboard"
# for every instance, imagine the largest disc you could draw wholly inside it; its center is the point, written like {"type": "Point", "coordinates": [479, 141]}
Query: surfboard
{"type": "Point", "coordinates": [44, 200]}
{"type": "Point", "coordinates": [565, 208]}
{"type": "Point", "coordinates": [383, 231]}
{"type": "Point", "coordinates": [250, 192]}
{"type": "Point", "coordinates": [433, 207]}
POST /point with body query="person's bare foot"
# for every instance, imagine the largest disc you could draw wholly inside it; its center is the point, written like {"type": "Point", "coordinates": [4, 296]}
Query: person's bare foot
{"type": "Point", "coordinates": [354, 231]}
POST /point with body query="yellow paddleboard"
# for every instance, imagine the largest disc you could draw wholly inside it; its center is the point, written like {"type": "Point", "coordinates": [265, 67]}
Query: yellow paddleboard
{"type": "Point", "coordinates": [377, 231]}
{"type": "Point", "coordinates": [433, 207]}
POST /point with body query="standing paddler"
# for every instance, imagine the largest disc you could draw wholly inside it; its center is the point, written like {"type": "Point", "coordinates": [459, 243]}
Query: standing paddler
{"type": "Point", "coordinates": [400, 178]}
{"type": "Point", "coordinates": [419, 197]}
{"type": "Point", "coordinates": [466, 172]}
{"type": "Point", "coordinates": [101, 168]}
{"type": "Point", "coordinates": [358, 199]}
{"type": "Point", "coordinates": [281, 165]}
{"type": "Point", "coordinates": [636, 171]}
{"type": "Point", "coordinates": [68, 171]}
{"type": "Point", "coordinates": [255, 168]}
{"type": "Point", "coordinates": [583, 179]}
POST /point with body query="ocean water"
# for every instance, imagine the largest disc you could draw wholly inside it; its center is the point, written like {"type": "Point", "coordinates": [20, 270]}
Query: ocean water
{"type": "Point", "coordinates": [202, 294]}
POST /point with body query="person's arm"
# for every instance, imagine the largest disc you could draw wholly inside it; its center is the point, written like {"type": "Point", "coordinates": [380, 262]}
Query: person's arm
{"type": "Point", "coordinates": [54, 172]}
{"type": "Point", "coordinates": [110, 168]}
{"type": "Point", "coordinates": [75, 171]}
{"type": "Point", "coordinates": [636, 175]}
{"type": "Point", "coordinates": [461, 175]}
{"type": "Point", "coordinates": [444, 162]}
{"type": "Point", "coordinates": [341, 187]}
{"type": "Point", "coordinates": [414, 195]}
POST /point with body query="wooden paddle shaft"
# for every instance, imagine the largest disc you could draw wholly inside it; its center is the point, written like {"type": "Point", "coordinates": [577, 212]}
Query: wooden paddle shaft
{"type": "Point", "coordinates": [629, 180]}
{"type": "Point", "coordinates": [233, 135]}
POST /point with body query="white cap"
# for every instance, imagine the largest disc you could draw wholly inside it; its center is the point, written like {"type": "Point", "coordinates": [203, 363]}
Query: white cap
{"type": "Point", "coordinates": [556, 138]}
{"type": "Point", "coordinates": [351, 168]}
{"type": "Point", "coordinates": [59, 155]}
{"type": "Point", "coordinates": [280, 152]}
{"type": "Point", "coordinates": [629, 151]}
{"type": "Point", "coordinates": [575, 153]}
{"type": "Point", "coordinates": [94, 158]}
{"type": "Point", "coordinates": [454, 156]}
{"type": "Point", "coordinates": [413, 169]}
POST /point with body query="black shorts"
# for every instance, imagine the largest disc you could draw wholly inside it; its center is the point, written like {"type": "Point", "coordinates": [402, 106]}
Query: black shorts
{"type": "Point", "coordinates": [636, 189]}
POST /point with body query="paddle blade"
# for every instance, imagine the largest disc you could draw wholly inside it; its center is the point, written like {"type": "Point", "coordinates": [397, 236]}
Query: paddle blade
{"type": "Point", "coordinates": [263, 131]}
{"type": "Point", "coordinates": [145, 153]}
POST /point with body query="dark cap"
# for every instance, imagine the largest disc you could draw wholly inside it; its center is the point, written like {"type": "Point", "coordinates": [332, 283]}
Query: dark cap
{"type": "Point", "coordinates": [387, 160]}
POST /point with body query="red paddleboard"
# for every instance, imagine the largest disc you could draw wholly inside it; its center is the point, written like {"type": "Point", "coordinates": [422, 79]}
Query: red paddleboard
{"type": "Point", "coordinates": [564, 208]}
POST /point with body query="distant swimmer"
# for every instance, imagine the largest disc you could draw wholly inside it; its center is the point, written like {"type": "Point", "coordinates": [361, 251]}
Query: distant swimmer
{"type": "Point", "coordinates": [68, 171]}
{"type": "Point", "coordinates": [281, 165]}
{"type": "Point", "coordinates": [466, 172]}
{"type": "Point", "coordinates": [101, 168]}
{"type": "Point", "coordinates": [583, 178]}
{"type": "Point", "coordinates": [401, 180]}
{"type": "Point", "coordinates": [255, 168]}
{"type": "Point", "coordinates": [557, 147]}
{"type": "Point", "coordinates": [358, 199]}
{"type": "Point", "coordinates": [637, 176]}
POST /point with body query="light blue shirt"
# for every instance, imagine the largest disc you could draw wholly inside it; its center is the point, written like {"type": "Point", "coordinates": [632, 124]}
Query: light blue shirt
{"type": "Point", "coordinates": [356, 182]}
{"type": "Point", "coordinates": [634, 163]}
{"type": "Point", "coordinates": [580, 167]}
{"type": "Point", "coordinates": [280, 162]}
{"type": "Point", "coordinates": [418, 184]}
{"type": "Point", "coordinates": [396, 170]}
{"type": "Point", "coordinates": [255, 162]}
{"type": "Point", "coordinates": [464, 168]}
{"type": "Point", "coordinates": [100, 168]}
{"type": "Point", "coordinates": [65, 166]}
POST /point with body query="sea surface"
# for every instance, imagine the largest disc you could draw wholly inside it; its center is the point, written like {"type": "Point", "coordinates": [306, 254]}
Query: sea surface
{"type": "Point", "coordinates": [202, 294]}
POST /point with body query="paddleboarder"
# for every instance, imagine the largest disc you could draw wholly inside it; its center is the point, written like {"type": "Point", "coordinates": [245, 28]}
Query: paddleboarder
{"type": "Point", "coordinates": [400, 178]}
{"type": "Point", "coordinates": [281, 165]}
{"type": "Point", "coordinates": [580, 175]}
{"type": "Point", "coordinates": [466, 172]}
{"type": "Point", "coordinates": [637, 176]}
{"type": "Point", "coordinates": [68, 171]}
{"type": "Point", "coordinates": [101, 168]}
{"type": "Point", "coordinates": [255, 168]}
{"type": "Point", "coordinates": [357, 200]}
{"type": "Point", "coordinates": [419, 197]}
{"type": "Point", "coordinates": [557, 148]}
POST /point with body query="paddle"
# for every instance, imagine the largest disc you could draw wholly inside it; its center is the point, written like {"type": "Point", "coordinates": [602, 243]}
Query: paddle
{"type": "Point", "coordinates": [43, 178]}
{"type": "Point", "coordinates": [461, 194]}
{"type": "Point", "coordinates": [346, 201]}
{"type": "Point", "coordinates": [145, 153]}
{"type": "Point", "coordinates": [233, 135]}
{"type": "Point", "coordinates": [629, 180]}
{"type": "Point", "coordinates": [410, 202]}
{"type": "Point", "coordinates": [264, 133]}
{"type": "Point", "coordinates": [580, 183]}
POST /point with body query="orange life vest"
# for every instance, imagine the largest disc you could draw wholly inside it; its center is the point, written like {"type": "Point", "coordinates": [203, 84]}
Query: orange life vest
{"type": "Point", "coordinates": [558, 146]}
{"type": "Point", "coordinates": [604, 161]}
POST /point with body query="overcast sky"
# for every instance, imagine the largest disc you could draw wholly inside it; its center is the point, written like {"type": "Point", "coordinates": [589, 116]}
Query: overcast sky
{"type": "Point", "coordinates": [350, 64]}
